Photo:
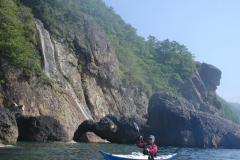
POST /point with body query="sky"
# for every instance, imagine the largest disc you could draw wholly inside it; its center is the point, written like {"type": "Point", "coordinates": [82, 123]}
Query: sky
{"type": "Point", "coordinates": [210, 29]}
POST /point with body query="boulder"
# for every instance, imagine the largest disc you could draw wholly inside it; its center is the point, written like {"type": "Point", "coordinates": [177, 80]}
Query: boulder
{"type": "Point", "coordinates": [8, 127]}
{"type": "Point", "coordinates": [175, 122]}
{"type": "Point", "coordinates": [42, 128]}
{"type": "Point", "coordinates": [91, 137]}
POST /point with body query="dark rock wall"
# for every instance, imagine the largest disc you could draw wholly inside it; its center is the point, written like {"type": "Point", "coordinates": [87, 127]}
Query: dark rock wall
{"type": "Point", "coordinates": [8, 127]}
{"type": "Point", "coordinates": [176, 122]}
{"type": "Point", "coordinates": [42, 128]}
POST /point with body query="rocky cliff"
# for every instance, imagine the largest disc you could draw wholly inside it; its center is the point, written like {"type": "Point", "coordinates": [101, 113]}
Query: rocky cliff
{"type": "Point", "coordinates": [175, 121]}
{"type": "Point", "coordinates": [79, 84]}
{"type": "Point", "coordinates": [78, 90]}
{"type": "Point", "coordinates": [200, 85]}
{"type": "Point", "coordinates": [8, 127]}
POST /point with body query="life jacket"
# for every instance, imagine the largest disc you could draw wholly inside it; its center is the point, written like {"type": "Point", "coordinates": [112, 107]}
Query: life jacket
{"type": "Point", "coordinates": [149, 146]}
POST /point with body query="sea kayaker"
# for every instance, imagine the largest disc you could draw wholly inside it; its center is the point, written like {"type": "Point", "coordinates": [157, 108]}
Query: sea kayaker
{"type": "Point", "coordinates": [149, 147]}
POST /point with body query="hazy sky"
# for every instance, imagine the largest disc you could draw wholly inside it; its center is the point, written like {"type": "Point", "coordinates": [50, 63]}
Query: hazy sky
{"type": "Point", "coordinates": [209, 28]}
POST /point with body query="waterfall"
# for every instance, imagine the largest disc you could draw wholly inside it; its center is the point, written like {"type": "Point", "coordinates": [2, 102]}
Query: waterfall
{"type": "Point", "coordinates": [47, 50]}
{"type": "Point", "coordinates": [50, 67]}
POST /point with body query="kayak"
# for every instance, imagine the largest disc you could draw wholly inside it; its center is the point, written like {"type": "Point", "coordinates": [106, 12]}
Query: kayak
{"type": "Point", "coordinates": [133, 156]}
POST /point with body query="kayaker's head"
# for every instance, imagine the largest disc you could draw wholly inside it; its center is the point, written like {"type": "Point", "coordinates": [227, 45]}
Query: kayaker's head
{"type": "Point", "coordinates": [151, 139]}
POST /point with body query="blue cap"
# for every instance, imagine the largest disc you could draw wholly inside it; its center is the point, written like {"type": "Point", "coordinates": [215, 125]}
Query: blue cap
{"type": "Point", "coordinates": [151, 137]}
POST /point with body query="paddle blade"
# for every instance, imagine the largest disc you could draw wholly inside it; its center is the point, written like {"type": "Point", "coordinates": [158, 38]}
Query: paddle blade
{"type": "Point", "coordinates": [136, 126]}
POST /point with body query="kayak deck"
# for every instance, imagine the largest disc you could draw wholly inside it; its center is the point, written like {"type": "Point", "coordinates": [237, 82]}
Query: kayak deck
{"type": "Point", "coordinates": [133, 156]}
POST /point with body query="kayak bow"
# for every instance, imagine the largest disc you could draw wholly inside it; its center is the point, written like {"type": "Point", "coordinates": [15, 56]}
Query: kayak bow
{"type": "Point", "coordinates": [133, 156]}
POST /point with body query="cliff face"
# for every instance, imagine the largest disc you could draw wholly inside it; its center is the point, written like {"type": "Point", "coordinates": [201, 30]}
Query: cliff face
{"type": "Point", "coordinates": [81, 83]}
{"type": "Point", "coordinates": [82, 80]}
{"type": "Point", "coordinates": [197, 88]}
{"type": "Point", "coordinates": [176, 122]}
{"type": "Point", "coordinates": [8, 127]}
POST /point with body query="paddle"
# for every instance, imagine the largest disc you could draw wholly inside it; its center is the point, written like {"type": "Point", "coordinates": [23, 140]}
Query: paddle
{"type": "Point", "coordinates": [137, 128]}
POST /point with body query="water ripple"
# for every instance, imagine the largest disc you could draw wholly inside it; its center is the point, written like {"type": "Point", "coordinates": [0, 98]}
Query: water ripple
{"type": "Point", "coordinates": [90, 151]}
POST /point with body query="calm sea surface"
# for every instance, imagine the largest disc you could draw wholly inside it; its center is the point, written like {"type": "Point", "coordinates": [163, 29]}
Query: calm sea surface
{"type": "Point", "coordinates": [84, 151]}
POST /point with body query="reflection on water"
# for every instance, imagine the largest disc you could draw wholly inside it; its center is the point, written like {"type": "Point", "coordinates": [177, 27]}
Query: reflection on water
{"type": "Point", "coordinates": [85, 151]}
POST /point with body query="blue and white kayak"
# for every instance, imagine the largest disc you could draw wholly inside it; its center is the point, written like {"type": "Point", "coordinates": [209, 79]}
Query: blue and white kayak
{"type": "Point", "coordinates": [133, 156]}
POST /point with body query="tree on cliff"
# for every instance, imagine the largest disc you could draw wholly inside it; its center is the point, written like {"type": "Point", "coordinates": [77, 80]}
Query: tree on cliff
{"type": "Point", "coordinates": [175, 58]}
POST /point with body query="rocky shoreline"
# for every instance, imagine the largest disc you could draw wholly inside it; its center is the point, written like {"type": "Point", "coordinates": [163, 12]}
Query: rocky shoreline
{"type": "Point", "coordinates": [173, 121]}
{"type": "Point", "coordinates": [82, 98]}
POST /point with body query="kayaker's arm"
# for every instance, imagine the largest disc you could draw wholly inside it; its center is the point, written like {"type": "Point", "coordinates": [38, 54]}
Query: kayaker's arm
{"type": "Point", "coordinates": [141, 144]}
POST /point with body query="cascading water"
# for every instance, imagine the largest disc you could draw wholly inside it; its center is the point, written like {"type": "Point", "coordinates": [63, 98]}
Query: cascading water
{"type": "Point", "coordinates": [50, 67]}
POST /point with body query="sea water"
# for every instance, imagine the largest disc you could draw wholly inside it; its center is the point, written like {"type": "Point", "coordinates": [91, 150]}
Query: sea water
{"type": "Point", "coordinates": [85, 151]}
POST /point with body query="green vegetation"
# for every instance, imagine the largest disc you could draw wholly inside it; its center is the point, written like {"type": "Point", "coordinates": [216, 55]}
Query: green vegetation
{"type": "Point", "coordinates": [2, 81]}
{"type": "Point", "coordinates": [235, 107]}
{"type": "Point", "coordinates": [223, 106]}
{"type": "Point", "coordinates": [213, 99]}
{"type": "Point", "coordinates": [152, 63]}
{"type": "Point", "coordinates": [155, 64]}
{"type": "Point", "coordinates": [17, 36]}
{"type": "Point", "coordinates": [226, 111]}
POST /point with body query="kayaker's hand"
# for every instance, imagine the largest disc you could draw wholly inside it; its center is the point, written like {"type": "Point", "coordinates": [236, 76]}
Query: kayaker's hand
{"type": "Point", "coordinates": [147, 149]}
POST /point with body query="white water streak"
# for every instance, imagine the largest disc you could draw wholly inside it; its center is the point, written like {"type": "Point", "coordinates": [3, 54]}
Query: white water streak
{"type": "Point", "coordinates": [50, 67]}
